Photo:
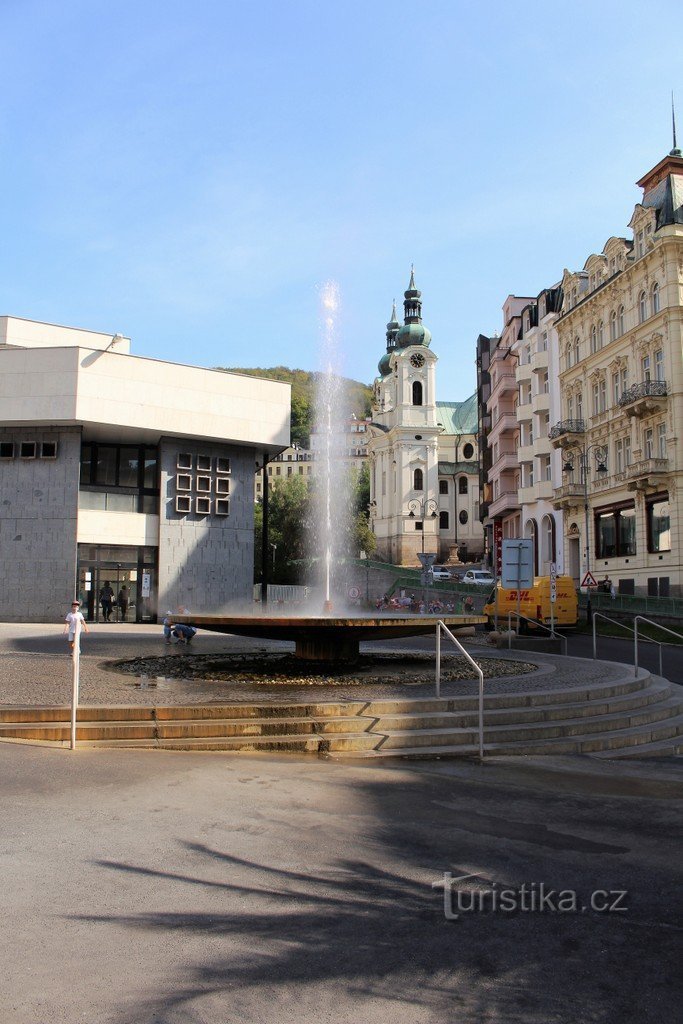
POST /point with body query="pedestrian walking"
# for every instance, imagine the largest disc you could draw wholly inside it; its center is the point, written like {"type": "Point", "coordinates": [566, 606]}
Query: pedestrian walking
{"type": "Point", "coordinates": [71, 620]}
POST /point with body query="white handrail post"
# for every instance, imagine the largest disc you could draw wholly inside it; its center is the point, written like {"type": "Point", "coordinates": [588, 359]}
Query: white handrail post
{"type": "Point", "coordinates": [480, 674]}
{"type": "Point", "coordinates": [635, 646]}
{"type": "Point", "coordinates": [76, 655]}
{"type": "Point", "coordinates": [509, 632]}
{"type": "Point", "coordinates": [438, 659]}
{"type": "Point", "coordinates": [595, 643]}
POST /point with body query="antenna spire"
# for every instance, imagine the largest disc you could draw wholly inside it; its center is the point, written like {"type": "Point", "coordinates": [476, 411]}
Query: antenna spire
{"type": "Point", "coordinates": [675, 151]}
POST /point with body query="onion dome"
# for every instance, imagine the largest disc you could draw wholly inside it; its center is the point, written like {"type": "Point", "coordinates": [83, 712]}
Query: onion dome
{"type": "Point", "coordinates": [413, 331]}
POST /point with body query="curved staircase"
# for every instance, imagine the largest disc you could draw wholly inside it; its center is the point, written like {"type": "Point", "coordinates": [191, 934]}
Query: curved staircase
{"type": "Point", "coordinates": [627, 717]}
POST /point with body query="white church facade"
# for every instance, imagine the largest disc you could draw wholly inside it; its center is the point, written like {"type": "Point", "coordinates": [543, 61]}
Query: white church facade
{"type": "Point", "coordinates": [424, 459]}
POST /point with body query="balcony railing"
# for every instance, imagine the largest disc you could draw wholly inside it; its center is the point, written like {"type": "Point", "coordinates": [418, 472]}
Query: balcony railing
{"type": "Point", "coordinates": [566, 491]}
{"type": "Point", "coordinates": [646, 468]}
{"type": "Point", "coordinates": [567, 427]}
{"type": "Point", "coordinates": [648, 389]}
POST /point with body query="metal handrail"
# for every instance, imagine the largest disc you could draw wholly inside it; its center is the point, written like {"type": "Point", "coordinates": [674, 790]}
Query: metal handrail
{"type": "Point", "coordinates": [442, 626]}
{"type": "Point", "coordinates": [537, 622]}
{"type": "Point", "coordinates": [622, 625]}
{"type": "Point", "coordinates": [657, 625]}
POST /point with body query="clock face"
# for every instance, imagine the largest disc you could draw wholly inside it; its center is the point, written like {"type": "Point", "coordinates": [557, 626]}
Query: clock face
{"type": "Point", "coordinates": [417, 359]}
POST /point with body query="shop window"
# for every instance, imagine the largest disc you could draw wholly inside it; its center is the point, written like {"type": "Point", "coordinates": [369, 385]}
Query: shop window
{"type": "Point", "coordinates": [615, 533]}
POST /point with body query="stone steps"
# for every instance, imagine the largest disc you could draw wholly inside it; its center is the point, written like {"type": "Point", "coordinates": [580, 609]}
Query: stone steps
{"type": "Point", "coordinates": [626, 715]}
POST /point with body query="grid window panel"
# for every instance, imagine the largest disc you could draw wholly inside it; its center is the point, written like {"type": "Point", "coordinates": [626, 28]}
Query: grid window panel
{"type": "Point", "coordinates": [222, 507]}
{"type": "Point", "coordinates": [222, 465]}
{"type": "Point", "coordinates": [184, 460]}
{"type": "Point", "coordinates": [183, 482]}
{"type": "Point", "coordinates": [204, 463]}
{"type": "Point", "coordinates": [222, 486]}
{"type": "Point", "coordinates": [203, 484]}
{"type": "Point", "coordinates": [183, 503]}
{"type": "Point", "coordinates": [202, 506]}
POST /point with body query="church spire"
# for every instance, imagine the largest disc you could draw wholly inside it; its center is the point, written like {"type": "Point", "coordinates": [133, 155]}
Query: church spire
{"type": "Point", "coordinates": [675, 151]}
{"type": "Point", "coordinates": [392, 329]}
{"type": "Point", "coordinates": [412, 304]}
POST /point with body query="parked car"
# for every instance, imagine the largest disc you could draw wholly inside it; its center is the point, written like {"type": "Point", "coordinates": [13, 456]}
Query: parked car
{"type": "Point", "coordinates": [441, 574]}
{"type": "Point", "coordinates": [480, 577]}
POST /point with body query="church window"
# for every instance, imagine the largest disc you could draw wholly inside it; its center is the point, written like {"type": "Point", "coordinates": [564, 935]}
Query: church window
{"type": "Point", "coordinates": [463, 516]}
{"type": "Point", "coordinates": [417, 392]}
{"type": "Point", "coordinates": [418, 478]}
{"type": "Point", "coordinates": [443, 520]}
{"type": "Point", "coordinates": [443, 486]}
{"type": "Point", "coordinates": [468, 451]}
{"type": "Point", "coordinates": [462, 485]}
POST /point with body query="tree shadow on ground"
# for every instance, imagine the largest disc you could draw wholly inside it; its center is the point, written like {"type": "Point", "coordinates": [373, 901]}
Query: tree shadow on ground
{"type": "Point", "coordinates": [370, 931]}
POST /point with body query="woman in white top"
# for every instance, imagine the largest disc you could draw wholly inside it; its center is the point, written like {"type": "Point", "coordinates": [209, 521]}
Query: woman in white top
{"type": "Point", "coordinates": [74, 616]}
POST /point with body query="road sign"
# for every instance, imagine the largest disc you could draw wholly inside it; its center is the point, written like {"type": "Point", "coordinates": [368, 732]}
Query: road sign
{"type": "Point", "coordinates": [588, 580]}
{"type": "Point", "coordinates": [553, 582]}
{"type": "Point", "coordinates": [518, 564]}
{"type": "Point", "coordinates": [426, 560]}
{"type": "Point", "coordinates": [354, 593]}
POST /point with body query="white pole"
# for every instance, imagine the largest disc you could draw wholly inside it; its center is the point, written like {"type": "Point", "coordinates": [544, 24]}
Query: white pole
{"type": "Point", "coordinates": [76, 679]}
{"type": "Point", "coordinates": [438, 659]}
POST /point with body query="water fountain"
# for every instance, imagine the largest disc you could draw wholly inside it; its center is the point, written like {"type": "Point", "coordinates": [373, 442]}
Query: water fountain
{"type": "Point", "coordinates": [329, 637]}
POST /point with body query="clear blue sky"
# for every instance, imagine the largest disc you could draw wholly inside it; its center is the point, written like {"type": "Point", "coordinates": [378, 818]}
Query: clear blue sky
{"type": "Point", "coordinates": [190, 173]}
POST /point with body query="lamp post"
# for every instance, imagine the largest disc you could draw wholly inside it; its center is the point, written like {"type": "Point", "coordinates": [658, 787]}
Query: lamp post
{"type": "Point", "coordinates": [581, 453]}
{"type": "Point", "coordinates": [426, 508]}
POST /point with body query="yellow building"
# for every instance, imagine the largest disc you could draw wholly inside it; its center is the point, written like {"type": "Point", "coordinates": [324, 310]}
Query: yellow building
{"type": "Point", "coordinates": [620, 339]}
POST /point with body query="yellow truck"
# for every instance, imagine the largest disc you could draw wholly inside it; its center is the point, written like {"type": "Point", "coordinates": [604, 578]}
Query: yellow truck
{"type": "Point", "coordinates": [534, 602]}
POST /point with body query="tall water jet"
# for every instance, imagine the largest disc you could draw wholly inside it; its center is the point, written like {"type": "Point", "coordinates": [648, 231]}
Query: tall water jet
{"type": "Point", "coordinates": [333, 486]}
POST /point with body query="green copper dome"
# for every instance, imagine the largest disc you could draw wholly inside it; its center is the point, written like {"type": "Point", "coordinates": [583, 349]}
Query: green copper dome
{"type": "Point", "coordinates": [413, 334]}
{"type": "Point", "coordinates": [383, 365]}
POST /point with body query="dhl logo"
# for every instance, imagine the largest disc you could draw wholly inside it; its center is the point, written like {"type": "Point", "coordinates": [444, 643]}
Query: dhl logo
{"type": "Point", "coordinates": [523, 595]}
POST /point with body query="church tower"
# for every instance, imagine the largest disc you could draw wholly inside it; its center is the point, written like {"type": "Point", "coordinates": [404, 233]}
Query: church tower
{"type": "Point", "coordinates": [403, 446]}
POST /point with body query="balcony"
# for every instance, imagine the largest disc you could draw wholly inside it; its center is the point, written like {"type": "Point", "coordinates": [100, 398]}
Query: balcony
{"type": "Point", "coordinates": [541, 402]}
{"type": "Point", "coordinates": [507, 422]}
{"type": "Point", "coordinates": [564, 430]}
{"type": "Point", "coordinates": [539, 361]}
{"type": "Point", "coordinates": [526, 453]}
{"type": "Point", "coordinates": [506, 502]}
{"type": "Point", "coordinates": [524, 412]}
{"type": "Point", "coordinates": [644, 399]}
{"type": "Point", "coordinates": [646, 473]}
{"type": "Point", "coordinates": [505, 384]}
{"type": "Point", "coordinates": [568, 495]}
{"type": "Point", "coordinates": [540, 491]}
{"type": "Point", "coordinates": [506, 461]}
{"type": "Point", "coordinates": [523, 372]}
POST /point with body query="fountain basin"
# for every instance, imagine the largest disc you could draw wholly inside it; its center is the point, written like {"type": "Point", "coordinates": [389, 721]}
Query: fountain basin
{"type": "Point", "coordinates": [328, 638]}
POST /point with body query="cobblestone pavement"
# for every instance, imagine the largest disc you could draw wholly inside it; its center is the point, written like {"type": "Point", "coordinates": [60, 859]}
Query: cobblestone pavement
{"type": "Point", "coordinates": [36, 669]}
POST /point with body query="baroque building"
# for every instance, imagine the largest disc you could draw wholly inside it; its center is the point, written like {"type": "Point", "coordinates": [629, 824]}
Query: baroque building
{"type": "Point", "coordinates": [620, 337]}
{"type": "Point", "coordinates": [424, 459]}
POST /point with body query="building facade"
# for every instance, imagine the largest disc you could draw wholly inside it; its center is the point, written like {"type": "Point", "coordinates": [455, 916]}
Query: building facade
{"type": "Point", "coordinates": [424, 466]}
{"type": "Point", "coordinates": [121, 470]}
{"type": "Point", "coordinates": [620, 336]}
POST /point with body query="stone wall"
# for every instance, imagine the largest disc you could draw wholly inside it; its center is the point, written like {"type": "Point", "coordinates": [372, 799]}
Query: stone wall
{"type": "Point", "coordinates": [38, 517]}
{"type": "Point", "coordinates": [206, 561]}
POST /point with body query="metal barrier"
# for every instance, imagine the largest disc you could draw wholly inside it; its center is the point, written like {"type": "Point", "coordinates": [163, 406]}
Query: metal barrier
{"type": "Point", "coordinates": [621, 625]}
{"type": "Point", "coordinates": [442, 626]}
{"type": "Point", "coordinates": [536, 622]}
{"type": "Point", "coordinates": [657, 625]}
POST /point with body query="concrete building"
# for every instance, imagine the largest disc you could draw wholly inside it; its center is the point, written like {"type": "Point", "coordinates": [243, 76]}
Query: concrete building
{"type": "Point", "coordinates": [116, 468]}
{"type": "Point", "coordinates": [620, 337]}
{"type": "Point", "coordinates": [424, 482]}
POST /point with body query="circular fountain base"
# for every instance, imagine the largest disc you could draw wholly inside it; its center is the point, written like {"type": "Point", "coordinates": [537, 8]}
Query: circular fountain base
{"type": "Point", "coordinates": [329, 638]}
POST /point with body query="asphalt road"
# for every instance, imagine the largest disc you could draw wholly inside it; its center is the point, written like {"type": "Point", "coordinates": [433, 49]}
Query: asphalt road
{"type": "Point", "coordinates": [150, 886]}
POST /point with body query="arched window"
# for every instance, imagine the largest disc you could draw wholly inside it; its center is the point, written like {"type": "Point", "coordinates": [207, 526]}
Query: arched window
{"type": "Point", "coordinates": [601, 334]}
{"type": "Point", "coordinates": [655, 298]}
{"type": "Point", "coordinates": [642, 306]}
{"type": "Point", "coordinates": [621, 321]}
{"type": "Point", "coordinates": [594, 339]}
{"type": "Point", "coordinates": [443, 520]}
{"type": "Point", "coordinates": [418, 480]}
{"type": "Point", "coordinates": [531, 532]}
{"type": "Point", "coordinates": [613, 326]}
{"type": "Point", "coordinates": [417, 392]}
{"type": "Point", "coordinates": [462, 485]}
{"type": "Point", "coordinates": [576, 350]}
{"type": "Point", "coordinates": [548, 542]}
{"type": "Point", "coordinates": [568, 355]}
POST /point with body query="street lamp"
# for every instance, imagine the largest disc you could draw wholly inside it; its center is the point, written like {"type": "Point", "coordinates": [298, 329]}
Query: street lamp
{"type": "Point", "coordinates": [425, 508]}
{"type": "Point", "coordinates": [581, 452]}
